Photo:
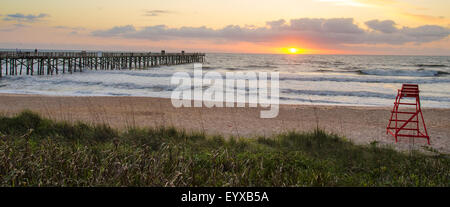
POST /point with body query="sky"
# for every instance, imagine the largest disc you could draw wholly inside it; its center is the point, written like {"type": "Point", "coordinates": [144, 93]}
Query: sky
{"type": "Point", "coordinates": [380, 27]}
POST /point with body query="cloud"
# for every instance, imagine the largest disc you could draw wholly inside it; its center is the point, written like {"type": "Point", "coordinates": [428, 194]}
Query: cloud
{"type": "Point", "coordinates": [74, 30]}
{"type": "Point", "coordinates": [276, 24]}
{"type": "Point", "coordinates": [337, 25]}
{"type": "Point", "coordinates": [19, 17]}
{"type": "Point", "coordinates": [314, 30]}
{"type": "Point", "coordinates": [115, 31]}
{"type": "Point", "coordinates": [154, 13]}
{"type": "Point", "coordinates": [386, 26]}
{"type": "Point", "coordinates": [426, 33]}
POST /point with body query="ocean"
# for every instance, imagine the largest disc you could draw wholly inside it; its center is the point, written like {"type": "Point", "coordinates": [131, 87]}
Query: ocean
{"type": "Point", "coordinates": [354, 80]}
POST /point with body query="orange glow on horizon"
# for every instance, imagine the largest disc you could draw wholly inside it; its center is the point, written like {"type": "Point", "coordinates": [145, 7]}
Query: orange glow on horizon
{"type": "Point", "coordinates": [292, 50]}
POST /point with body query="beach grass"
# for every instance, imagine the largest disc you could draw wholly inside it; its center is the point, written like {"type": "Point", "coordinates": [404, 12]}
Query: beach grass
{"type": "Point", "coordinates": [35, 151]}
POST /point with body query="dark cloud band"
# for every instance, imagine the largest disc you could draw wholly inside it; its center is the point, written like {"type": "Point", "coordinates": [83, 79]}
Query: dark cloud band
{"type": "Point", "coordinates": [24, 18]}
{"type": "Point", "coordinates": [316, 30]}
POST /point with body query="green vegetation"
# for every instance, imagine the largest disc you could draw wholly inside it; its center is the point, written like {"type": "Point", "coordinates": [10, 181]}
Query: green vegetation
{"type": "Point", "coordinates": [40, 152]}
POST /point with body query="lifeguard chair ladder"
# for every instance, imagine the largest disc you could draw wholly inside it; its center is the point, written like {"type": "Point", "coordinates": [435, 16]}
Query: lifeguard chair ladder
{"type": "Point", "coordinates": [402, 122]}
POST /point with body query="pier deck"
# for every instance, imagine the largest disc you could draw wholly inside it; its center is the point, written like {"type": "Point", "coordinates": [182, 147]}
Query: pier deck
{"type": "Point", "coordinates": [49, 63]}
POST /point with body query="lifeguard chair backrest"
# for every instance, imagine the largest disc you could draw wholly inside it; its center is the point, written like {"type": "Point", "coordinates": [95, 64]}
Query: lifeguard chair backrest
{"type": "Point", "coordinates": [410, 90]}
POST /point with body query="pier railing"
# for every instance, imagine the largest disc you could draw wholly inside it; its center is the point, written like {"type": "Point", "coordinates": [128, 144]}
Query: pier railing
{"type": "Point", "coordinates": [8, 54]}
{"type": "Point", "coordinates": [40, 63]}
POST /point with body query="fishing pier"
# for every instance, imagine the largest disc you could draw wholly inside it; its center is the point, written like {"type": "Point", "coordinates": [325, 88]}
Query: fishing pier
{"type": "Point", "coordinates": [49, 63]}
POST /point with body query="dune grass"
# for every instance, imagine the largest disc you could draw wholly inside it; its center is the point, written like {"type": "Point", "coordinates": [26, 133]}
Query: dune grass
{"type": "Point", "coordinates": [39, 152]}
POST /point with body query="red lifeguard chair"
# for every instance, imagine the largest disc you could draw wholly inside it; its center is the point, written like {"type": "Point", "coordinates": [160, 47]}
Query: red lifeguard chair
{"type": "Point", "coordinates": [406, 122]}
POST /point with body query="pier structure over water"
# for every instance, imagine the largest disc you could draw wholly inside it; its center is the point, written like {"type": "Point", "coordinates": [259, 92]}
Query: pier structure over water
{"type": "Point", "coordinates": [49, 63]}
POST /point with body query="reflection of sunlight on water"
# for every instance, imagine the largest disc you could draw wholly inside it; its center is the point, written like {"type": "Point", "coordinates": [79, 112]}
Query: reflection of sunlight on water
{"type": "Point", "coordinates": [304, 79]}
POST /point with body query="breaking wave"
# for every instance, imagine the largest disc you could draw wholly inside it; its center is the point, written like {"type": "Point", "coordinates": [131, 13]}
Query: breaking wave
{"type": "Point", "coordinates": [410, 73]}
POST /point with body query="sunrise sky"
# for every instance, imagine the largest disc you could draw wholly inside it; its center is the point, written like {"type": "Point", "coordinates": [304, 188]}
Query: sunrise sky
{"type": "Point", "coordinates": [417, 27]}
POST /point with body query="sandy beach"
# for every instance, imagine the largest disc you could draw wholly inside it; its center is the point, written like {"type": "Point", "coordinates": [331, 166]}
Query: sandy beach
{"type": "Point", "coordinates": [362, 125]}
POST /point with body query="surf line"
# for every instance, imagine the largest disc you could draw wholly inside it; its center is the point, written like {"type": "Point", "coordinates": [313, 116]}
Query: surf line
{"type": "Point", "coordinates": [213, 90]}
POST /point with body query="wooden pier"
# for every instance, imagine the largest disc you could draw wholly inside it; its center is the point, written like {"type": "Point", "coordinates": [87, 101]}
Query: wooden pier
{"type": "Point", "coordinates": [49, 63]}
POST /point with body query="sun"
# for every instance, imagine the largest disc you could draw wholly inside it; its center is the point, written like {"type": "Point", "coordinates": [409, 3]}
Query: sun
{"type": "Point", "coordinates": [292, 50]}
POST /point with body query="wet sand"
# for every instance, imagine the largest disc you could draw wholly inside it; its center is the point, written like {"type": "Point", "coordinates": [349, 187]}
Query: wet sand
{"type": "Point", "coordinates": [362, 125]}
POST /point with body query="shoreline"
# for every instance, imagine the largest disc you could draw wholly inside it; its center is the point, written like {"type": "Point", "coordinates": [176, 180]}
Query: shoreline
{"type": "Point", "coordinates": [360, 124]}
{"type": "Point", "coordinates": [5, 94]}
